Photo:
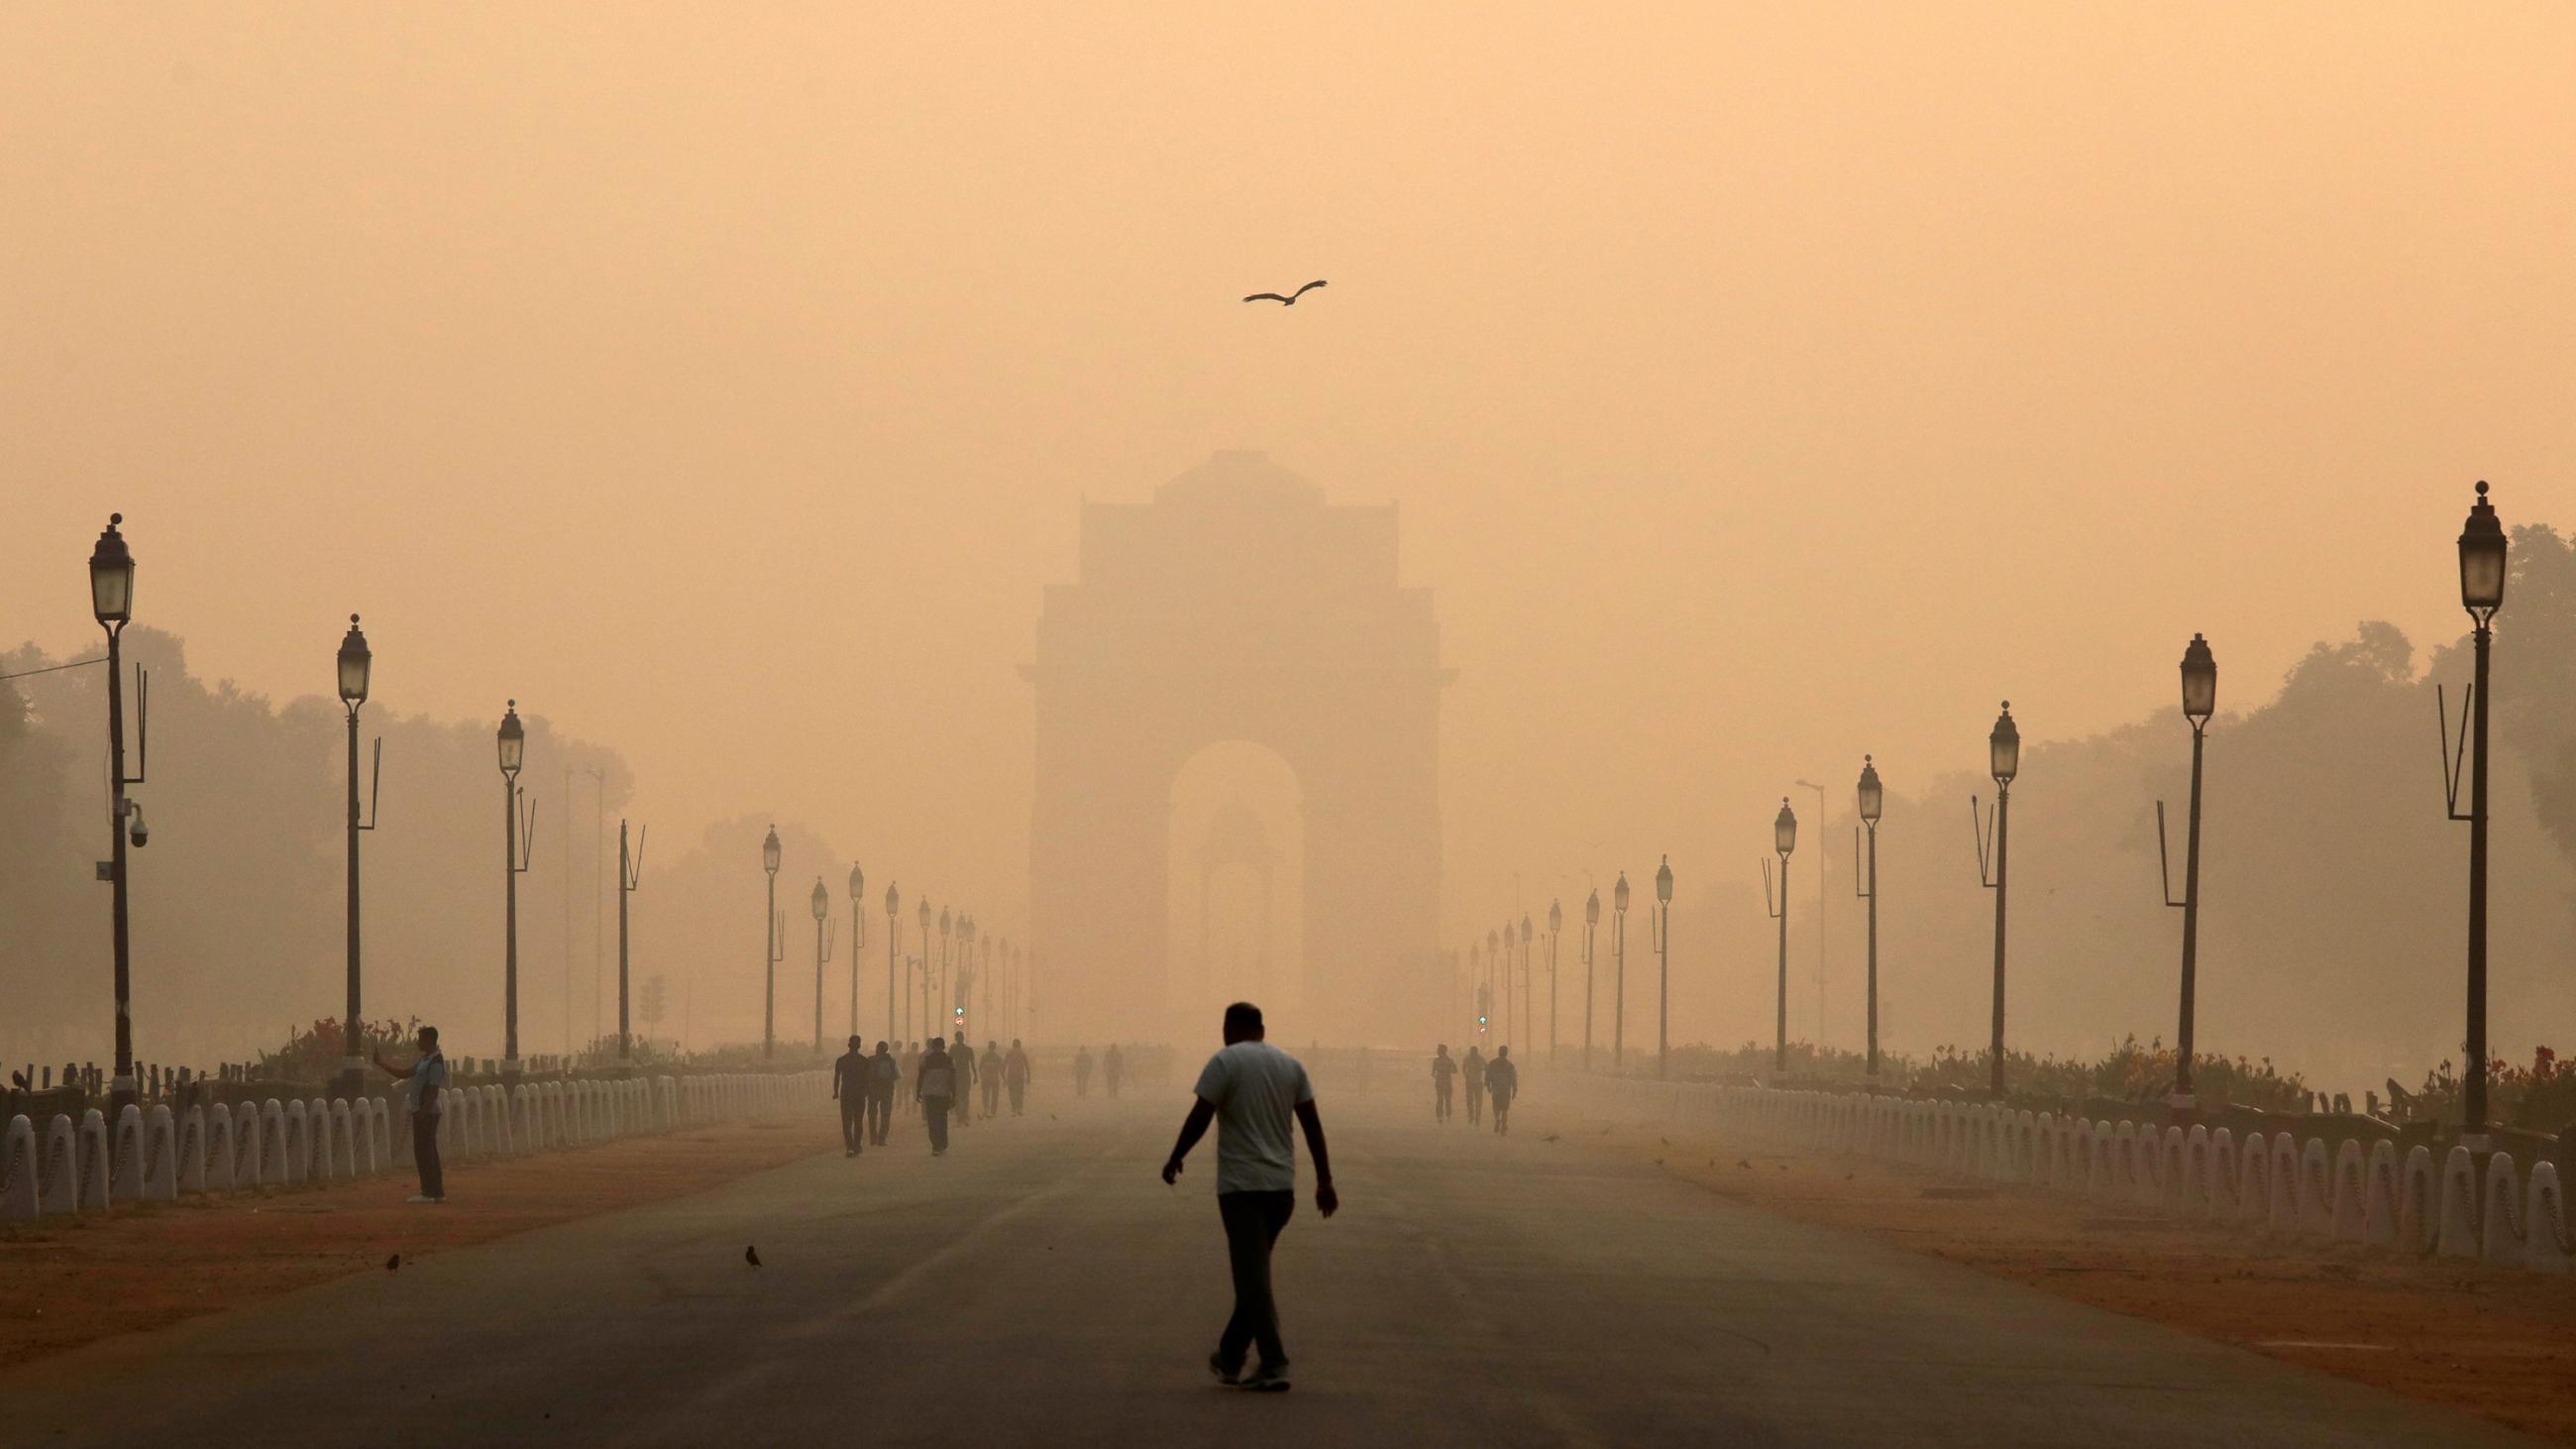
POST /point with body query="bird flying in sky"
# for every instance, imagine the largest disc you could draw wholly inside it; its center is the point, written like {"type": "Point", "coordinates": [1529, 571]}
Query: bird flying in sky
{"type": "Point", "coordinates": [1288, 301]}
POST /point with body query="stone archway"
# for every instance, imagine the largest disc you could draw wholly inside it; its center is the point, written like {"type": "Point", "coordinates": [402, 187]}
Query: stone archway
{"type": "Point", "coordinates": [1238, 605]}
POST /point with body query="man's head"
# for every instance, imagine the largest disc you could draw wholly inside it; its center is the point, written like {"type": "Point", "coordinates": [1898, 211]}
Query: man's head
{"type": "Point", "coordinates": [1442, 1051]}
{"type": "Point", "coordinates": [1501, 1052]}
{"type": "Point", "coordinates": [1242, 1023]}
{"type": "Point", "coordinates": [426, 1039]}
{"type": "Point", "coordinates": [881, 1048]}
{"type": "Point", "coordinates": [856, 1044]}
{"type": "Point", "coordinates": [1015, 1043]}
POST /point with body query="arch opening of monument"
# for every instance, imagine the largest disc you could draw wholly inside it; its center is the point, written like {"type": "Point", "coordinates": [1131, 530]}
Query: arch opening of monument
{"type": "Point", "coordinates": [1236, 887]}
{"type": "Point", "coordinates": [1238, 606]}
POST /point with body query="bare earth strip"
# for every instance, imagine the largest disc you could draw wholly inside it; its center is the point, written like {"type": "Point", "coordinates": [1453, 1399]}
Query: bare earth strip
{"type": "Point", "coordinates": [69, 1281]}
{"type": "Point", "coordinates": [2494, 1342]}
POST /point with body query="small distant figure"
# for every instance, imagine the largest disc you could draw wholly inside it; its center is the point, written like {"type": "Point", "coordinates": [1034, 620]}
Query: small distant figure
{"type": "Point", "coordinates": [850, 1087]}
{"type": "Point", "coordinates": [935, 1087]}
{"type": "Point", "coordinates": [885, 1075]}
{"type": "Point", "coordinates": [962, 1057]}
{"type": "Point", "coordinates": [1113, 1069]}
{"type": "Point", "coordinates": [424, 1097]}
{"type": "Point", "coordinates": [1503, 1081]}
{"type": "Point", "coordinates": [1444, 1072]}
{"type": "Point", "coordinates": [1015, 1075]}
{"type": "Point", "coordinates": [751, 1255]}
{"type": "Point", "coordinates": [1253, 1088]}
{"type": "Point", "coordinates": [912, 1073]}
{"type": "Point", "coordinates": [989, 1072]}
{"type": "Point", "coordinates": [1288, 301]}
{"type": "Point", "coordinates": [1082, 1071]}
{"type": "Point", "coordinates": [1474, 1070]}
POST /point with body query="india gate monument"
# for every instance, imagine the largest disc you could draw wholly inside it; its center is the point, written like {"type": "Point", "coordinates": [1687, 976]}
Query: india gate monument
{"type": "Point", "coordinates": [1237, 792]}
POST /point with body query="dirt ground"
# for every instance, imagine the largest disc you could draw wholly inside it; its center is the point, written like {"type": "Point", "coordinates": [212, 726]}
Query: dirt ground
{"type": "Point", "coordinates": [68, 1281]}
{"type": "Point", "coordinates": [2494, 1342]}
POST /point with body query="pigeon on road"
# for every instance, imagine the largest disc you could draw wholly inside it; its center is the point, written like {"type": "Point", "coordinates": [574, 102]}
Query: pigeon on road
{"type": "Point", "coordinates": [393, 1262]}
{"type": "Point", "coordinates": [751, 1256]}
{"type": "Point", "coordinates": [1288, 301]}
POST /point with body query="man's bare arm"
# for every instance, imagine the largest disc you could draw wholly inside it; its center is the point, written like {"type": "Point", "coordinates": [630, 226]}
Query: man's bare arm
{"type": "Point", "coordinates": [1326, 1200]}
{"type": "Point", "coordinates": [1193, 1127]}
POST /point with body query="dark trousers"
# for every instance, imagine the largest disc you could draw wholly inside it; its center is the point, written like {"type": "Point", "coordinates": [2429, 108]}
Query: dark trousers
{"type": "Point", "coordinates": [934, 1111]}
{"type": "Point", "coordinates": [1252, 1224]}
{"type": "Point", "coordinates": [880, 1115]}
{"type": "Point", "coordinates": [854, 1123]}
{"type": "Point", "coordinates": [1019, 1090]}
{"type": "Point", "coordinates": [1439, 1100]}
{"type": "Point", "coordinates": [992, 1095]}
{"type": "Point", "coordinates": [1502, 1110]}
{"type": "Point", "coordinates": [1475, 1101]}
{"type": "Point", "coordinates": [424, 1150]}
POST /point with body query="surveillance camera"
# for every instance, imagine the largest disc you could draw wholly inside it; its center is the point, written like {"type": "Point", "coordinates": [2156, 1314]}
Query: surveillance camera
{"type": "Point", "coordinates": [136, 830]}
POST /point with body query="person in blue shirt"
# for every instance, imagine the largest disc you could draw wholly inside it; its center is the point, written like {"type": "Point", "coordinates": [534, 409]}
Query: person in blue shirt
{"type": "Point", "coordinates": [424, 1089]}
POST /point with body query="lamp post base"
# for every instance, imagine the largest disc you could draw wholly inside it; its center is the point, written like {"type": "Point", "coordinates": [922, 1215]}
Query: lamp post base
{"type": "Point", "coordinates": [512, 1066]}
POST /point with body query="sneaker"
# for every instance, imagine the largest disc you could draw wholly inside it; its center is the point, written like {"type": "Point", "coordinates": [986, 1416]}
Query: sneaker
{"type": "Point", "coordinates": [1224, 1375]}
{"type": "Point", "coordinates": [419, 1197]}
{"type": "Point", "coordinates": [1267, 1379]}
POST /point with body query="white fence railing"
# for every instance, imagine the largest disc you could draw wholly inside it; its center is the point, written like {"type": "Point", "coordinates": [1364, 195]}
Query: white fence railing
{"type": "Point", "coordinates": [2279, 1185]}
{"type": "Point", "coordinates": [81, 1167]}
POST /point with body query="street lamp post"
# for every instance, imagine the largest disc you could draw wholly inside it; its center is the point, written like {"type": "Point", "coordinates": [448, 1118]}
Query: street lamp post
{"type": "Point", "coordinates": [822, 902]}
{"type": "Point", "coordinates": [1872, 800]}
{"type": "Point", "coordinates": [1527, 1018]}
{"type": "Point", "coordinates": [1619, 974]}
{"type": "Point", "coordinates": [1494, 967]}
{"type": "Point", "coordinates": [518, 846]}
{"type": "Point", "coordinates": [772, 953]}
{"type": "Point", "coordinates": [630, 879]}
{"type": "Point", "coordinates": [1784, 840]}
{"type": "Point", "coordinates": [111, 595]}
{"type": "Point", "coordinates": [1663, 967]}
{"type": "Point", "coordinates": [947, 932]}
{"type": "Point", "coordinates": [894, 932]}
{"type": "Point", "coordinates": [924, 918]}
{"type": "Point", "coordinates": [1591, 923]}
{"type": "Point", "coordinates": [2199, 702]}
{"type": "Point", "coordinates": [2482, 575]}
{"type": "Point", "coordinates": [356, 665]}
{"type": "Point", "coordinates": [2003, 761]}
{"type": "Point", "coordinates": [858, 938]}
{"type": "Point", "coordinates": [1555, 924]}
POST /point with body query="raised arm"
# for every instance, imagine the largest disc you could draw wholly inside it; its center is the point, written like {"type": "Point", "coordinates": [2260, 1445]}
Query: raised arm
{"type": "Point", "coordinates": [1326, 1200]}
{"type": "Point", "coordinates": [1193, 1127]}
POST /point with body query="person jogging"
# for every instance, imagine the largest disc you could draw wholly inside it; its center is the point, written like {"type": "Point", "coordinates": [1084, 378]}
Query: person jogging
{"type": "Point", "coordinates": [424, 1097]}
{"type": "Point", "coordinates": [1502, 1083]}
{"type": "Point", "coordinates": [935, 1087]}
{"type": "Point", "coordinates": [851, 1087]}
{"type": "Point", "coordinates": [1444, 1074]}
{"type": "Point", "coordinates": [1252, 1088]}
{"type": "Point", "coordinates": [1474, 1071]}
{"type": "Point", "coordinates": [1015, 1075]}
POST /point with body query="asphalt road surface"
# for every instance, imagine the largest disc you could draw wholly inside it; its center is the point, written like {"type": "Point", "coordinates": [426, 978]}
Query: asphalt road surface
{"type": "Point", "coordinates": [1040, 1286]}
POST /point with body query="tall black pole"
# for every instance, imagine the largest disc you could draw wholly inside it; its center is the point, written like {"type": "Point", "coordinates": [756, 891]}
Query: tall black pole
{"type": "Point", "coordinates": [1663, 988]}
{"type": "Point", "coordinates": [2003, 836]}
{"type": "Point", "coordinates": [2190, 930]}
{"type": "Point", "coordinates": [121, 1091]}
{"type": "Point", "coordinates": [1589, 993]}
{"type": "Point", "coordinates": [1555, 1041]}
{"type": "Point", "coordinates": [352, 1063]}
{"type": "Point", "coordinates": [2474, 1118]}
{"type": "Point", "coordinates": [769, 976]}
{"type": "Point", "coordinates": [625, 887]}
{"type": "Point", "coordinates": [510, 921]}
{"type": "Point", "coordinates": [1873, 950]}
{"type": "Point", "coordinates": [1780, 1022]}
{"type": "Point", "coordinates": [1619, 992]}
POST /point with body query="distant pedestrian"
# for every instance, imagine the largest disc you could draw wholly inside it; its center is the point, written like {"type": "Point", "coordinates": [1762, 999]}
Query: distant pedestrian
{"type": "Point", "coordinates": [424, 1097]}
{"type": "Point", "coordinates": [962, 1057]}
{"type": "Point", "coordinates": [1082, 1071]}
{"type": "Point", "coordinates": [1474, 1070]}
{"type": "Point", "coordinates": [1444, 1074]}
{"type": "Point", "coordinates": [989, 1072]}
{"type": "Point", "coordinates": [885, 1075]}
{"type": "Point", "coordinates": [1252, 1088]}
{"type": "Point", "coordinates": [935, 1087]}
{"type": "Point", "coordinates": [850, 1087]}
{"type": "Point", "coordinates": [1503, 1081]}
{"type": "Point", "coordinates": [912, 1073]}
{"type": "Point", "coordinates": [1113, 1069]}
{"type": "Point", "coordinates": [1015, 1075]}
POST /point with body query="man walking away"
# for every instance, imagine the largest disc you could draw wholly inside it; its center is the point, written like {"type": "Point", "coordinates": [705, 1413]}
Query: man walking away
{"type": "Point", "coordinates": [989, 1072]}
{"type": "Point", "coordinates": [1475, 1073]}
{"type": "Point", "coordinates": [912, 1071]}
{"type": "Point", "coordinates": [1015, 1075]}
{"type": "Point", "coordinates": [885, 1074]}
{"type": "Point", "coordinates": [1444, 1071]}
{"type": "Point", "coordinates": [424, 1096]}
{"type": "Point", "coordinates": [962, 1057]}
{"type": "Point", "coordinates": [850, 1086]}
{"type": "Point", "coordinates": [1504, 1081]}
{"type": "Point", "coordinates": [1082, 1071]}
{"type": "Point", "coordinates": [1253, 1087]}
{"type": "Point", "coordinates": [935, 1087]}
{"type": "Point", "coordinates": [1113, 1068]}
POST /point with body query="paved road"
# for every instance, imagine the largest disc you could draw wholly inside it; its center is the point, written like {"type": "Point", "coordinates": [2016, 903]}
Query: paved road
{"type": "Point", "coordinates": [1039, 1286]}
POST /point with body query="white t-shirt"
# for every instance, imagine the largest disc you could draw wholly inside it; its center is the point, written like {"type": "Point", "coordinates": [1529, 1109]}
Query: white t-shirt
{"type": "Point", "coordinates": [1256, 1089]}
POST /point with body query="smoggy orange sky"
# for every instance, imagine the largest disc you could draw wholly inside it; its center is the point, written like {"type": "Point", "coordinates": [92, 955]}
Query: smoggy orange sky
{"type": "Point", "coordinates": [1760, 384]}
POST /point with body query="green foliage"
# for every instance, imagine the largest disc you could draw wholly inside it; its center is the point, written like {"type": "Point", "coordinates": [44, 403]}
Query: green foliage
{"type": "Point", "coordinates": [314, 1053]}
{"type": "Point", "coordinates": [2129, 1071]}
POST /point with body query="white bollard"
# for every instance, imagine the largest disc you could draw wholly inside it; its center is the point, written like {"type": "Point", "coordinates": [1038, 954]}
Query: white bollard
{"type": "Point", "coordinates": [2544, 1223]}
{"type": "Point", "coordinates": [160, 1156]}
{"type": "Point", "coordinates": [18, 1170]}
{"type": "Point", "coordinates": [192, 1151]}
{"type": "Point", "coordinates": [2500, 1236]}
{"type": "Point", "coordinates": [2419, 1209]}
{"type": "Point", "coordinates": [2349, 1211]}
{"type": "Point", "coordinates": [2459, 1206]}
{"type": "Point", "coordinates": [94, 1164]}
{"type": "Point", "coordinates": [125, 1184]}
{"type": "Point", "coordinates": [220, 1151]}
